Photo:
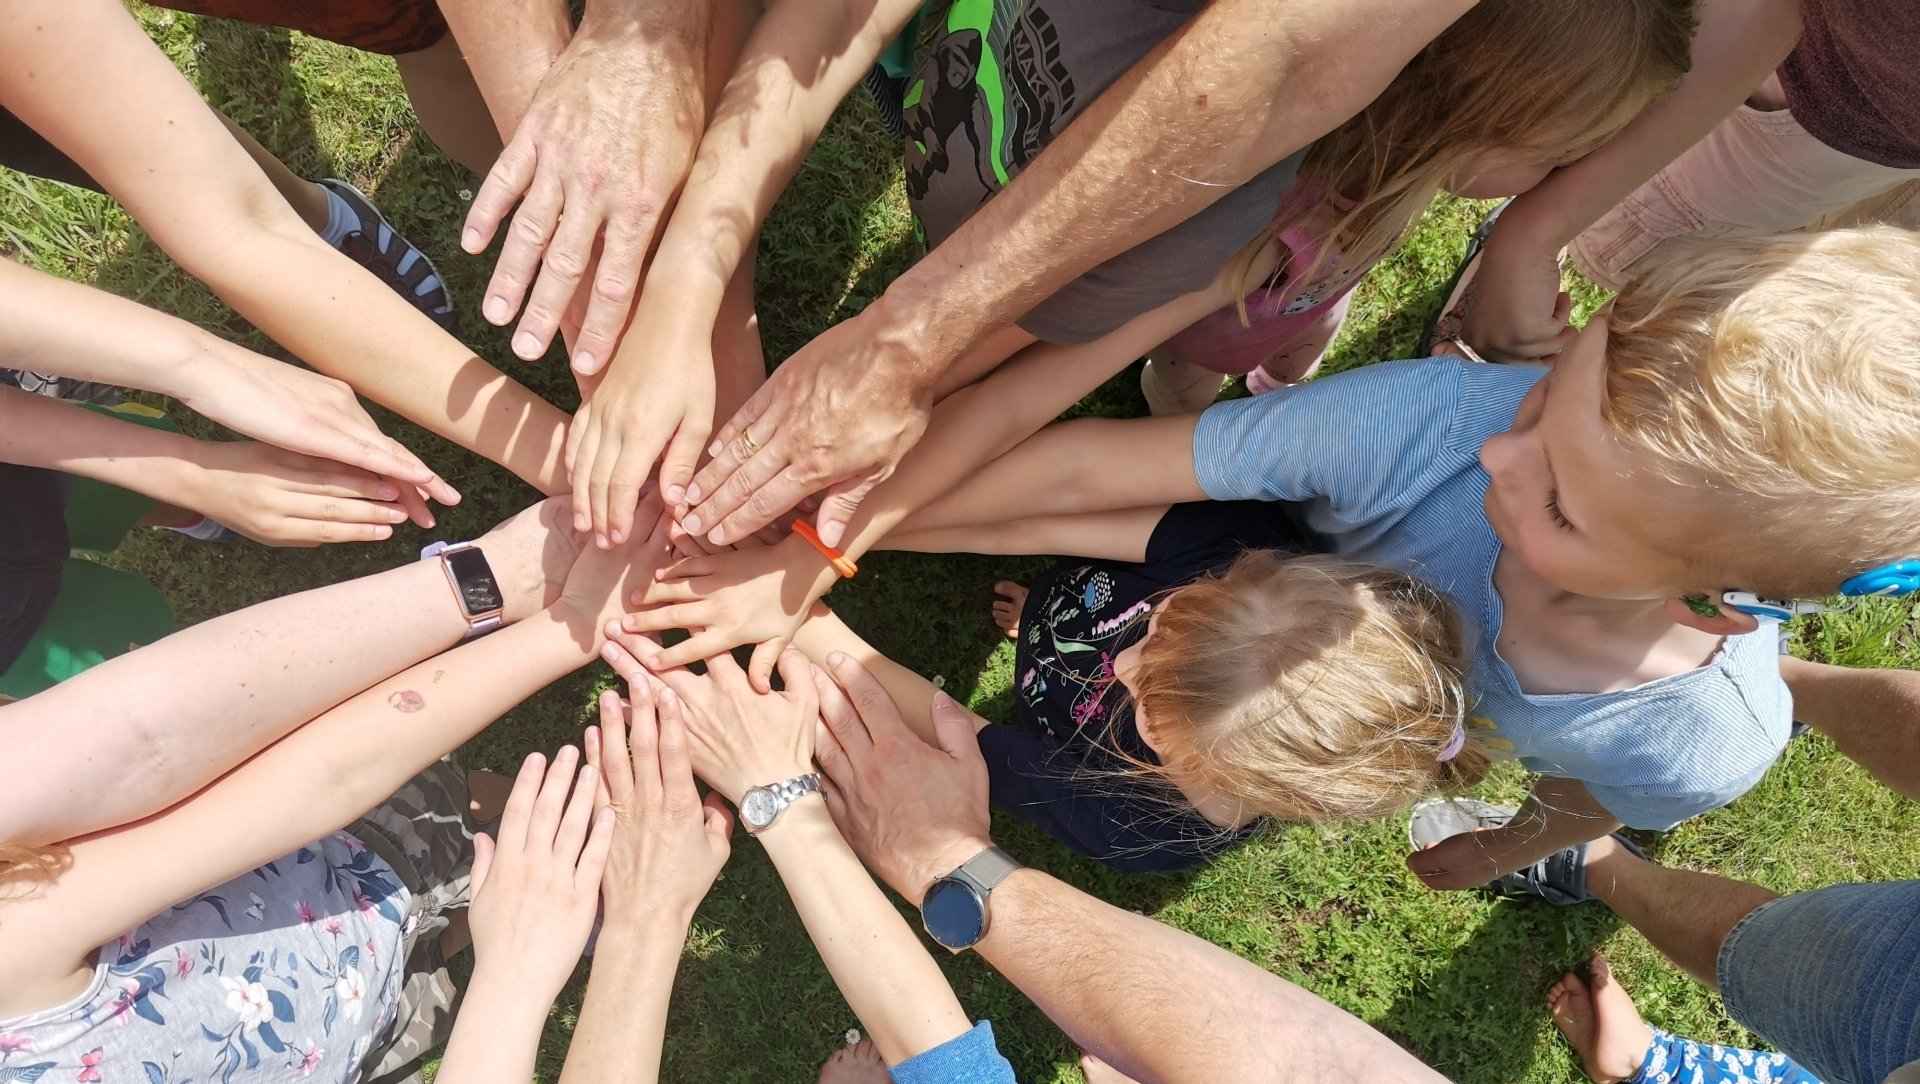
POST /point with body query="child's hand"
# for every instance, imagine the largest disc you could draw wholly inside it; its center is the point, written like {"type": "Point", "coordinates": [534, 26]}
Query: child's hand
{"type": "Point", "coordinates": [601, 580]}
{"type": "Point", "coordinates": [283, 498]}
{"type": "Point", "coordinates": [758, 596]}
{"type": "Point", "coordinates": [656, 407]}
{"type": "Point", "coordinates": [739, 738]}
{"type": "Point", "coordinates": [668, 845]}
{"type": "Point", "coordinates": [300, 411]}
{"type": "Point", "coordinates": [535, 889]}
{"type": "Point", "coordinates": [532, 554]}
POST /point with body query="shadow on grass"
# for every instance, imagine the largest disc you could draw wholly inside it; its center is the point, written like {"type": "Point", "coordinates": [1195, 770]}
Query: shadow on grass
{"type": "Point", "coordinates": [1477, 1015]}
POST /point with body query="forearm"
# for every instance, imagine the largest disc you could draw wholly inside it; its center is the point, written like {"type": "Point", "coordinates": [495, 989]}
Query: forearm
{"type": "Point", "coordinates": [1097, 970]}
{"type": "Point", "coordinates": [497, 1034]}
{"type": "Point", "coordinates": [508, 46]}
{"type": "Point", "coordinates": [1739, 43]}
{"type": "Point", "coordinates": [1242, 85]}
{"type": "Point", "coordinates": [824, 633]}
{"type": "Point", "coordinates": [51, 325]}
{"type": "Point", "coordinates": [43, 432]}
{"type": "Point", "coordinates": [1558, 814]}
{"type": "Point", "coordinates": [623, 1021]}
{"type": "Point", "coordinates": [1873, 715]}
{"type": "Point", "coordinates": [797, 66]}
{"type": "Point", "coordinates": [166, 720]}
{"type": "Point", "coordinates": [889, 981]}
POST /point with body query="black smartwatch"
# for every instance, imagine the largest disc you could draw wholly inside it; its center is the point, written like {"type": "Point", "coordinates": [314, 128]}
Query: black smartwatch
{"type": "Point", "coordinates": [955, 910]}
{"type": "Point", "coordinates": [473, 584]}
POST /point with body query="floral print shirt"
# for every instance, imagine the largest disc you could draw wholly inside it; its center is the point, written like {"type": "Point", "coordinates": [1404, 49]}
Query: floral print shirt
{"type": "Point", "coordinates": [290, 972]}
{"type": "Point", "coordinates": [1055, 764]}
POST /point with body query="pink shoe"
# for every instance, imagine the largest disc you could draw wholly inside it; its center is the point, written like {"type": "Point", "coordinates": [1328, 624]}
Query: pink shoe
{"type": "Point", "coordinates": [1259, 383]}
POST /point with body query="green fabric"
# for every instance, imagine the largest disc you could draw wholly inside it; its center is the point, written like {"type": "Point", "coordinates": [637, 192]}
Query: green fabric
{"type": "Point", "coordinates": [99, 515]}
{"type": "Point", "coordinates": [102, 612]}
{"type": "Point", "coordinates": [897, 59]}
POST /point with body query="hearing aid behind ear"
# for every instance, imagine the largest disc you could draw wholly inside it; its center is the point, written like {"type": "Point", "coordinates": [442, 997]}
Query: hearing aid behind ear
{"type": "Point", "coordinates": [1887, 581]}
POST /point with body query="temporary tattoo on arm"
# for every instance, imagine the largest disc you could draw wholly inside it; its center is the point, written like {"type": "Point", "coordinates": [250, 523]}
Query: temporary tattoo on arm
{"type": "Point", "coordinates": [408, 701]}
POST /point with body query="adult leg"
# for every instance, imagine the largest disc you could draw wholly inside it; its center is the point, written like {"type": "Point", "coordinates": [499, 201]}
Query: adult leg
{"type": "Point", "coordinates": [1873, 715]}
{"type": "Point", "coordinates": [448, 103]}
{"type": "Point", "coordinates": [1686, 915]}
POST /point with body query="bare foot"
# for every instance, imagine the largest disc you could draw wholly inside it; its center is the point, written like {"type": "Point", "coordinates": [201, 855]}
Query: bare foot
{"type": "Point", "coordinates": [1099, 1072]}
{"type": "Point", "coordinates": [856, 1064]}
{"type": "Point", "coordinates": [1600, 1023]}
{"type": "Point", "coordinates": [1006, 611]}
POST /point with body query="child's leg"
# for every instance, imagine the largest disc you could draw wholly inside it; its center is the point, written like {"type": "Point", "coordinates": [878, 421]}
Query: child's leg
{"type": "Point", "coordinates": [1173, 386]}
{"type": "Point", "coordinates": [1301, 358]}
{"type": "Point", "coordinates": [448, 104]}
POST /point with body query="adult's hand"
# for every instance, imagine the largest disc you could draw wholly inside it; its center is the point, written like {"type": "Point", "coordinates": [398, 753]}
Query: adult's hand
{"type": "Point", "coordinates": [839, 416]}
{"type": "Point", "coordinates": [912, 811]}
{"type": "Point", "coordinates": [594, 164]}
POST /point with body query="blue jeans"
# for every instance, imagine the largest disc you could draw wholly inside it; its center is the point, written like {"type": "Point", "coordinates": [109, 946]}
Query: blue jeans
{"type": "Point", "coordinates": [1832, 978]}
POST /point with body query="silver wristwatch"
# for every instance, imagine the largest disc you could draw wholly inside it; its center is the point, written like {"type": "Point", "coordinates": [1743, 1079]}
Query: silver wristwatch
{"type": "Point", "coordinates": [760, 805]}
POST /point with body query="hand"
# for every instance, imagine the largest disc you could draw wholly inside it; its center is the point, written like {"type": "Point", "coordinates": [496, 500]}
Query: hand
{"type": "Point", "coordinates": [597, 160]}
{"type": "Point", "coordinates": [531, 555]}
{"type": "Point", "coordinates": [758, 595]}
{"type": "Point", "coordinates": [839, 415]}
{"type": "Point", "coordinates": [1476, 859]}
{"type": "Point", "coordinates": [1514, 309]}
{"type": "Point", "coordinates": [661, 401]}
{"type": "Point", "coordinates": [912, 811]}
{"type": "Point", "coordinates": [283, 498]}
{"type": "Point", "coordinates": [601, 581]}
{"type": "Point", "coordinates": [740, 738]}
{"type": "Point", "coordinates": [668, 845]}
{"type": "Point", "coordinates": [536, 889]}
{"type": "Point", "coordinates": [301, 411]}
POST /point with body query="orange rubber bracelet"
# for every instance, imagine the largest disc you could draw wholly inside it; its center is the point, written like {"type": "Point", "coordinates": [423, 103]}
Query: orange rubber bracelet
{"type": "Point", "coordinates": [846, 568]}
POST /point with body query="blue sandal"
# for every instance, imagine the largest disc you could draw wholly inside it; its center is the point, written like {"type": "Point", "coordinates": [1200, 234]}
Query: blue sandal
{"type": "Point", "coordinates": [375, 245]}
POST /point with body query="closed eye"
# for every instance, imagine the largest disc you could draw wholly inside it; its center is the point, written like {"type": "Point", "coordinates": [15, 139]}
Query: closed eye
{"type": "Point", "coordinates": [1553, 509]}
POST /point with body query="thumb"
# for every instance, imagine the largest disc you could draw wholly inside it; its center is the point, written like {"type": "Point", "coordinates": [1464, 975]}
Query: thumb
{"type": "Point", "coordinates": [718, 817]}
{"type": "Point", "coordinates": [841, 502]}
{"type": "Point", "coordinates": [483, 848]}
{"type": "Point", "coordinates": [953, 726]}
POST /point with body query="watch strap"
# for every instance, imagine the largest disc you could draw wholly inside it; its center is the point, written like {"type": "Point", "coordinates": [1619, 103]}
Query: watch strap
{"type": "Point", "coordinates": [477, 625]}
{"type": "Point", "coordinates": [987, 869]}
{"type": "Point", "coordinates": [785, 793]}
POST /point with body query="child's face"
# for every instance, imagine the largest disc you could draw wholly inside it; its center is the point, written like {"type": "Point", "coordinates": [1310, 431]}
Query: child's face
{"type": "Point", "coordinates": [1573, 503]}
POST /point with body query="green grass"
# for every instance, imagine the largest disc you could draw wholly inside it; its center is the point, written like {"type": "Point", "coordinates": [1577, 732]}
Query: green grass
{"type": "Point", "coordinates": [1457, 978]}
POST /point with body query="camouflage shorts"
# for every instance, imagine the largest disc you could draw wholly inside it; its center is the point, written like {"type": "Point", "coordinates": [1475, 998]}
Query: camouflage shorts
{"type": "Point", "coordinates": [424, 833]}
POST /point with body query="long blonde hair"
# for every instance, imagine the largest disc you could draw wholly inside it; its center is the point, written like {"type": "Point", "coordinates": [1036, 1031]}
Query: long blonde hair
{"type": "Point", "coordinates": [1309, 688]}
{"type": "Point", "coordinates": [23, 868]}
{"type": "Point", "coordinates": [1550, 79]}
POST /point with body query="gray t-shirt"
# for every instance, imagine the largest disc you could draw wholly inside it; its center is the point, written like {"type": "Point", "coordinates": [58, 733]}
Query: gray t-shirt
{"type": "Point", "coordinates": [1003, 78]}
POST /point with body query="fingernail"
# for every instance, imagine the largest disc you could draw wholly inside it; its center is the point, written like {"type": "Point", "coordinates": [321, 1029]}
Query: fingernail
{"type": "Point", "coordinates": [619, 537]}
{"type": "Point", "coordinates": [601, 541]}
{"type": "Point", "coordinates": [667, 696]}
{"type": "Point", "coordinates": [628, 624]}
{"type": "Point", "coordinates": [612, 627]}
{"type": "Point", "coordinates": [941, 701]}
{"type": "Point", "coordinates": [382, 531]}
{"type": "Point", "coordinates": [582, 521]}
{"type": "Point", "coordinates": [714, 449]}
{"type": "Point", "coordinates": [527, 345]}
{"type": "Point", "coordinates": [389, 493]}
{"type": "Point", "coordinates": [586, 773]}
{"type": "Point", "coordinates": [693, 494]}
{"type": "Point", "coordinates": [830, 534]}
{"type": "Point", "coordinates": [716, 536]}
{"type": "Point", "coordinates": [394, 515]}
{"type": "Point", "coordinates": [583, 362]}
{"type": "Point", "coordinates": [496, 310]}
{"type": "Point", "coordinates": [470, 240]}
{"type": "Point", "coordinates": [675, 494]}
{"type": "Point", "coordinates": [838, 658]}
{"type": "Point", "coordinates": [692, 524]}
{"type": "Point", "coordinates": [607, 652]}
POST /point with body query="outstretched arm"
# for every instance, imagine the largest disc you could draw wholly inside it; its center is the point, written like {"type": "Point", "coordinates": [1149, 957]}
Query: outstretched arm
{"type": "Point", "coordinates": [916, 811]}
{"type": "Point", "coordinates": [83, 75]}
{"type": "Point", "coordinates": [1558, 814]}
{"type": "Point", "coordinates": [1873, 715]}
{"type": "Point", "coordinates": [1242, 85]}
{"type": "Point", "coordinates": [168, 719]}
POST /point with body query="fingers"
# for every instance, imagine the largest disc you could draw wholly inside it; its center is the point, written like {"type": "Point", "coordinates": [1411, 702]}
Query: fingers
{"type": "Point", "coordinates": [686, 615]}
{"type": "Point", "coordinates": [310, 532]}
{"type": "Point", "coordinates": [676, 760]}
{"type": "Point", "coordinates": [841, 502]}
{"type": "Point", "coordinates": [656, 594]}
{"type": "Point", "coordinates": [629, 472]}
{"type": "Point", "coordinates": [760, 666]}
{"type": "Point", "coordinates": [719, 821]}
{"type": "Point", "coordinates": [482, 861]}
{"type": "Point", "coordinates": [682, 456]}
{"type": "Point", "coordinates": [565, 262]}
{"type": "Point", "coordinates": [750, 498]}
{"type": "Point", "coordinates": [847, 730]}
{"type": "Point", "coordinates": [413, 501]}
{"type": "Point", "coordinates": [593, 856]}
{"type": "Point", "coordinates": [519, 807]}
{"type": "Point", "coordinates": [796, 674]}
{"type": "Point", "coordinates": [614, 761]}
{"type": "Point", "coordinates": [876, 709]}
{"type": "Point", "coordinates": [953, 726]}
{"type": "Point", "coordinates": [533, 226]}
{"type": "Point", "coordinates": [726, 448]}
{"type": "Point", "coordinates": [512, 172]}
{"type": "Point", "coordinates": [571, 835]}
{"type": "Point", "coordinates": [615, 282]}
{"type": "Point", "coordinates": [543, 821]}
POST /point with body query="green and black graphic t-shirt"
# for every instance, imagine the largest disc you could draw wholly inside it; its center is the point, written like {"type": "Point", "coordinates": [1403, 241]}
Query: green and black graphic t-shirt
{"type": "Point", "coordinates": [1003, 78]}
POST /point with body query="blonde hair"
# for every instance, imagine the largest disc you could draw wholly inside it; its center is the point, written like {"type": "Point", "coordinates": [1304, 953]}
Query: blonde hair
{"type": "Point", "coordinates": [1782, 374]}
{"type": "Point", "coordinates": [24, 868]}
{"type": "Point", "coordinates": [1549, 78]}
{"type": "Point", "coordinates": [1308, 688]}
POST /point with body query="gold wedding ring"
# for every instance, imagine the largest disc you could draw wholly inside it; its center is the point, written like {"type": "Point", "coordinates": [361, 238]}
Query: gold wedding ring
{"type": "Point", "coordinates": [753, 446]}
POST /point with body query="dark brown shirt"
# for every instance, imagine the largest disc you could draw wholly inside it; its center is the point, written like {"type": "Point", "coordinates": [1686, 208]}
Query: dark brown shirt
{"type": "Point", "coordinates": [1852, 82]}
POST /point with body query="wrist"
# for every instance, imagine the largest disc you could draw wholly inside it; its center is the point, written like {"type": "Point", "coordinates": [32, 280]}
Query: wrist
{"type": "Point", "coordinates": [1532, 227]}
{"type": "Point", "coordinates": [902, 323]}
{"type": "Point", "coordinates": [675, 26]}
{"type": "Point", "coordinates": [936, 860]}
{"type": "Point", "coordinates": [808, 566]}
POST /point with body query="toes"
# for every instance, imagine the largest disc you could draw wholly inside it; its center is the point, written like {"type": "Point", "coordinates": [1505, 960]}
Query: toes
{"type": "Point", "coordinates": [1601, 970]}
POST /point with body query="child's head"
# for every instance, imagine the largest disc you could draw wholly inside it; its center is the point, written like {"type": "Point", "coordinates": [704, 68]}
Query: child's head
{"type": "Point", "coordinates": [1746, 417]}
{"type": "Point", "coordinates": [1511, 90]}
{"type": "Point", "coordinates": [1305, 688]}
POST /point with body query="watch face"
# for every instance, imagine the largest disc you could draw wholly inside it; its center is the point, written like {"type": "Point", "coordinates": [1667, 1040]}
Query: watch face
{"type": "Point", "coordinates": [953, 914]}
{"type": "Point", "coordinates": [758, 807]}
{"type": "Point", "coordinates": [477, 590]}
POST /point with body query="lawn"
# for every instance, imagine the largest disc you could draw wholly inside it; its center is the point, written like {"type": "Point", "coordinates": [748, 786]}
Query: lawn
{"type": "Point", "coordinates": [1456, 978]}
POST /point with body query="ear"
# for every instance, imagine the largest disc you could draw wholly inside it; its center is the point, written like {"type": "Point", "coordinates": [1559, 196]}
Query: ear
{"type": "Point", "coordinates": [1728, 622]}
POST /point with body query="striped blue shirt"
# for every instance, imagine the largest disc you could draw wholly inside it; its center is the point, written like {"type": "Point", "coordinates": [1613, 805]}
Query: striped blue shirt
{"type": "Point", "coordinates": [1387, 462]}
